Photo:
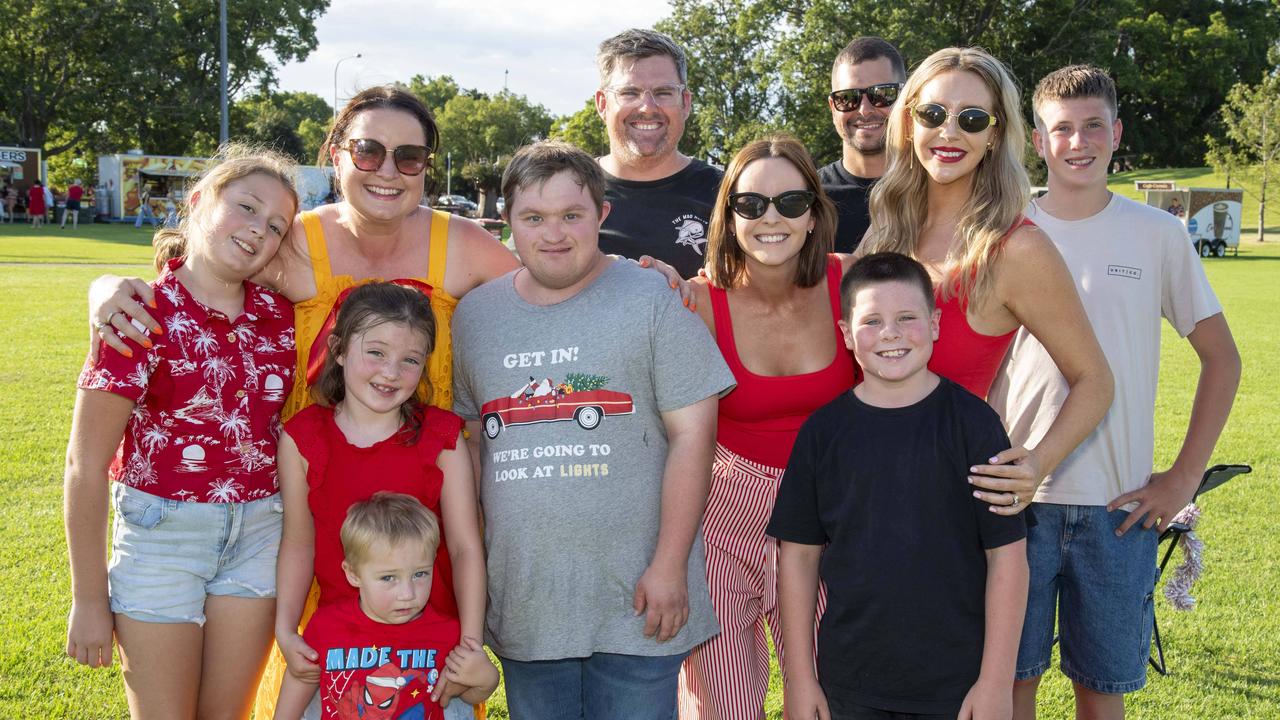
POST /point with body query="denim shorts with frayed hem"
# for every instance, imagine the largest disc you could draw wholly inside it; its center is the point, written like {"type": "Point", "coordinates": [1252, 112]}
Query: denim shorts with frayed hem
{"type": "Point", "coordinates": [1100, 586]}
{"type": "Point", "coordinates": [168, 556]}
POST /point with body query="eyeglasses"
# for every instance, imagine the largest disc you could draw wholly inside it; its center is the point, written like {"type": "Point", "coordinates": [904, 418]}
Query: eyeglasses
{"type": "Point", "coordinates": [790, 204]}
{"type": "Point", "coordinates": [368, 155]}
{"type": "Point", "coordinates": [663, 95]}
{"type": "Point", "coordinates": [970, 120]}
{"type": "Point", "coordinates": [881, 96]}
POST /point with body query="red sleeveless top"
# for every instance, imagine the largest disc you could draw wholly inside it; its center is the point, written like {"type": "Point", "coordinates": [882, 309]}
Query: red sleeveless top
{"type": "Point", "coordinates": [963, 355]}
{"type": "Point", "coordinates": [340, 474]}
{"type": "Point", "coordinates": [760, 418]}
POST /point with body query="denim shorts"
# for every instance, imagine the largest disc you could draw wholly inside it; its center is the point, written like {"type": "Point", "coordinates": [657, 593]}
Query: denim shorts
{"type": "Point", "coordinates": [167, 556]}
{"type": "Point", "coordinates": [1101, 588]}
{"type": "Point", "coordinates": [603, 685]}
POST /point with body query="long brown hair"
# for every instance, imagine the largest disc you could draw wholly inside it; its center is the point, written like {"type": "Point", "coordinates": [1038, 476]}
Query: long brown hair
{"type": "Point", "coordinates": [390, 97]}
{"type": "Point", "coordinates": [726, 261]}
{"type": "Point", "coordinates": [899, 202]}
{"type": "Point", "coordinates": [366, 307]}
{"type": "Point", "coordinates": [233, 162]}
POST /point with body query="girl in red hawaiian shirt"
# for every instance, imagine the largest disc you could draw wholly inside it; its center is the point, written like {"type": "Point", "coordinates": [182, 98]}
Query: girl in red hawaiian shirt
{"type": "Point", "coordinates": [185, 426]}
{"type": "Point", "coordinates": [370, 431]}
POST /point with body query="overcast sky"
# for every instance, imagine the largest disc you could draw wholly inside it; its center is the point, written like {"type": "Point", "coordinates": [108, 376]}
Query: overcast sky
{"type": "Point", "coordinates": [548, 47]}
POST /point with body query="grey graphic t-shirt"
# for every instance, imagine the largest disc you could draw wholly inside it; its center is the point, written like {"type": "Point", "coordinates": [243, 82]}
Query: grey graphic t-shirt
{"type": "Point", "coordinates": [573, 450]}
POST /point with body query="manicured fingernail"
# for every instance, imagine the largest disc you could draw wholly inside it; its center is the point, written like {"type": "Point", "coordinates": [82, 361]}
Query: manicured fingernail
{"type": "Point", "coordinates": [673, 286]}
{"type": "Point", "coordinates": [127, 353]}
{"type": "Point", "coordinates": [146, 343]}
{"type": "Point", "coordinates": [158, 330]}
{"type": "Point", "coordinates": [977, 495]}
{"type": "Point", "coordinates": [686, 302]}
{"type": "Point", "coordinates": [993, 460]}
{"type": "Point", "coordinates": [973, 469]}
{"type": "Point", "coordinates": [970, 480]}
{"type": "Point", "coordinates": [152, 302]}
{"type": "Point", "coordinates": [644, 263]}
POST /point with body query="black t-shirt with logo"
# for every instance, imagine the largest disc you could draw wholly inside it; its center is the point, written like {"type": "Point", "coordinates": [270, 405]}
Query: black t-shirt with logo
{"type": "Point", "coordinates": [666, 219]}
{"type": "Point", "coordinates": [886, 491]}
{"type": "Point", "coordinates": [849, 193]}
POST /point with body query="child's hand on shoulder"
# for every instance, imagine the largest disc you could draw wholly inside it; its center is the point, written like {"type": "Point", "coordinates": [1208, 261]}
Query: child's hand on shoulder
{"type": "Point", "coordinates": [301, 659]}
{"type": "Point", "coordinates": [468, 667]}
{"type": "Point", "coordinates": [988, 701]}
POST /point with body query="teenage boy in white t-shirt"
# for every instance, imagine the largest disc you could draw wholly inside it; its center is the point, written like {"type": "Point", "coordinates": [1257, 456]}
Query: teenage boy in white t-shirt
{"type": "Point", "coordinates": [1133, 264]}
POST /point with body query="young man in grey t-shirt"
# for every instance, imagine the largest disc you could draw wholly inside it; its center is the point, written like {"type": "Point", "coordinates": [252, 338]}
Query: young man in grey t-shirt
{"type": "Point", "coordinates": [590, 395]}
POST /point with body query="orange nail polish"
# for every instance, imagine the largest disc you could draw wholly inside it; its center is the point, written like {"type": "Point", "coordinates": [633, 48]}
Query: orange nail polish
{"type": "Point", "coordinates": [686, 302]}
{"type": "Point", "coordinates": [152, 302]}
{"type": "Point", "coordinates": [146, 343]}
{"type": "Point", "coordinates": [127, 353]}
{"type": "Point", "coordinates": [158, 331]}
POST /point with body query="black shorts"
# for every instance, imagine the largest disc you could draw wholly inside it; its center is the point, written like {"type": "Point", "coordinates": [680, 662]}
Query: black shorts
{"type": "Point", "coordinates": [73, 204]}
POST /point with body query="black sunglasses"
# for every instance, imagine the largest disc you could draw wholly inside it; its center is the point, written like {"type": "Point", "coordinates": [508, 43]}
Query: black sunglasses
{"type": "Point", "coordinates": [790, 204]}
{"type": "Point", "coordinates": [970, 120]}
{"type": "Point", "coordinates": [881, 96]}
{"type": "Point", "coordinates": [368, 155]}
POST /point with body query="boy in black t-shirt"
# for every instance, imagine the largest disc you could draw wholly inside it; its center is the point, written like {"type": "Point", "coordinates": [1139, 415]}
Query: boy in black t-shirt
{"type": "Point", "coordinates": [926, 587]}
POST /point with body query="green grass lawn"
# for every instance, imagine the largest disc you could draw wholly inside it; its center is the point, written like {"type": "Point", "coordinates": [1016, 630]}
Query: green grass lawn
{"type": "Point", "coordinates": [1224, 656]}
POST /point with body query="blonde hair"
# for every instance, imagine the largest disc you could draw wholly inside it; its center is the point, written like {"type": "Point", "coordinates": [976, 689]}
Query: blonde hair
{"type": "Point", "coordinates": [234, 161]}
{"type": "Point", "coordinates": [899, 202]}
{"type": "Point", "coordinates": [726, 260]}
{"type": "Point", "coordinates": [391, 518]}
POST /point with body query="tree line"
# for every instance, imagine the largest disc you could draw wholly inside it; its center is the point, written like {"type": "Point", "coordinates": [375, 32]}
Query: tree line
{"type": "Point", "coordinates": [83, 78]}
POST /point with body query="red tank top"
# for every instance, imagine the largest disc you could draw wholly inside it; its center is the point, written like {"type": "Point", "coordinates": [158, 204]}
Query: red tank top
{"type": "Point", "coordinates": [963, 355]}
{"type": "Point", "coordinates": [340, 474]}
{"type": "Point", "coordinates": [759, 419]}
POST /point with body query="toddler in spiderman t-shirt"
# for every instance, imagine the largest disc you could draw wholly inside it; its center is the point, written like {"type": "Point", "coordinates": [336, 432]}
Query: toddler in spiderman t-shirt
{"type": "Point", "coordinates": [384, 653]}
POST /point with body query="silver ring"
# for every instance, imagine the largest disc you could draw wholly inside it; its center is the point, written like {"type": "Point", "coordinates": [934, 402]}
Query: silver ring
{"type": "Point", "coordinates": [99, 326]}
{"type": "Point", "coordinates": [1016, 500]}
{"type": "Point", "coordinates": [110, 315]}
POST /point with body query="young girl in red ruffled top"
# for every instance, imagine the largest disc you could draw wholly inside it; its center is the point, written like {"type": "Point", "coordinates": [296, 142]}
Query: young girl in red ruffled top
{"type": "Point", "coordinates": [370, 431]}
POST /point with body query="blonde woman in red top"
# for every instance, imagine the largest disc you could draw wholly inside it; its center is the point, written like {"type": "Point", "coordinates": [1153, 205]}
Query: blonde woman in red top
{"type": "Point", "coordinates": [953, 198]}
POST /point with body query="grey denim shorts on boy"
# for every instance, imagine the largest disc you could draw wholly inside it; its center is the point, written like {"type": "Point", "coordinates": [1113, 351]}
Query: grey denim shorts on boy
{"type": "Point", "coordinates": [1100, 587]}
{"type": "Point", "coordinates": [167, 556]}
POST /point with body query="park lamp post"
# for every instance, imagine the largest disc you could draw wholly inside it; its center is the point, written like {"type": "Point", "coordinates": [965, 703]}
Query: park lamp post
{"type": "Point", "coordinates": [335, 80]}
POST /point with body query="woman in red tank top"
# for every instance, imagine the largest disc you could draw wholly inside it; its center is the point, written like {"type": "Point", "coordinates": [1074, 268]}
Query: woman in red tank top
{"type": "Point", "coordinates": [952, 198]}
{"type": "Point", "coordinates": [771, 298]}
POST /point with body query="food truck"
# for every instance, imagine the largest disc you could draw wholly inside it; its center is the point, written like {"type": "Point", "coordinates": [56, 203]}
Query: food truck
{"type": "Point", "coordinates": [1212, 215]}
{"type": "Point", "coordinates": [22, 167]}
{"type": "Point", "coordinates": [167, 177]}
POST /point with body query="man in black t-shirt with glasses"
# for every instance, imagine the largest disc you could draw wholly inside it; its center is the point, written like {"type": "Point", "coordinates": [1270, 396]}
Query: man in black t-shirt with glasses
{"type": "Point", "coordinates": [661, 199]}
{"type": "Point", "coordinates": [865, 79]}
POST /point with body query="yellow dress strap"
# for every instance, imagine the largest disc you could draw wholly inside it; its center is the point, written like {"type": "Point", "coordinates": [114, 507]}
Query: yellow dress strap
{"type": "Point", "coordinates": [439, 243]}
{"type": "Point", "coordinates": [316, 246]}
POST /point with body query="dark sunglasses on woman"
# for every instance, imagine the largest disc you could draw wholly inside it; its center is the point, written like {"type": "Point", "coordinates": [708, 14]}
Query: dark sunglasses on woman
{"type": "Point", "coordinates": [881, 96]}
{"type": "Point", "coordinates": [970, 120]}
{"type": "Point", "coordinates": [368, 155]}
{"type": "Point", "coordinates": [790, 204]}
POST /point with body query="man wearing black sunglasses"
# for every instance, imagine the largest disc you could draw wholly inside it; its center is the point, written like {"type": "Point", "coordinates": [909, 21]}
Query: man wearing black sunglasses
{"type": "Point", "coordinates": [865, 79]}
{"type": "Point", "coordinates": [661, 198]}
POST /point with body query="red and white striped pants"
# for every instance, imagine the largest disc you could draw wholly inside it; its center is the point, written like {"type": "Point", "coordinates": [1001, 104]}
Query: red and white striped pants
{"type": "Point", "coordinates": [727, 677]}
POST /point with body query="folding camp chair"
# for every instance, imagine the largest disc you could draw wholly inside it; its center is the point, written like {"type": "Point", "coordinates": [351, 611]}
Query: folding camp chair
{"type": "Point", "coordinates": [1213, 477]}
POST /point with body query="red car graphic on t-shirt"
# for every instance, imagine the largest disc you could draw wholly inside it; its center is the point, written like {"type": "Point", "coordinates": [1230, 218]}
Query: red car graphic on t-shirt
{"type": "Point", "coordinates": [541, 401]}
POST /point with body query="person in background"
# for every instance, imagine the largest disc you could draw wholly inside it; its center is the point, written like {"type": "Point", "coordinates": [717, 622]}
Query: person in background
{"type": "Point", "coordinates": [36, 206]}
{"type": "Point", "coordinates": [144, 205]}
{"type": "Point", "coordinates": [660, 198]}
{"type": "Point", "coordinates": [866, 78]}
{"type": "Point", "coordinates": [74, 194]}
